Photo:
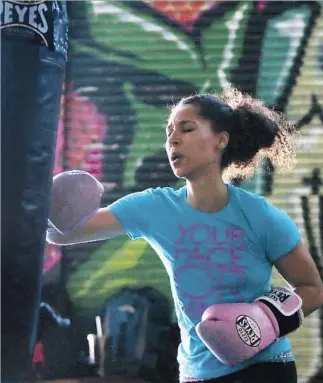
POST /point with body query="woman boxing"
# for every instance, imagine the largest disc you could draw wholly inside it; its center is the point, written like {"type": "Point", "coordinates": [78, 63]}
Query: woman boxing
{"type": "Point", "coordinates": [217, 242]}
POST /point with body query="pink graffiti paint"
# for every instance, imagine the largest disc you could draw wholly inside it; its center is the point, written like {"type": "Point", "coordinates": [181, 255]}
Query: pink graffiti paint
{"type": "Point", "coordinates": [86, 128]}
{"type": "Point", "coordinates": [261, 5]}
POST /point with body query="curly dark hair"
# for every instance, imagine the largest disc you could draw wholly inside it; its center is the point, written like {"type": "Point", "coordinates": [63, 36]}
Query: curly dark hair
{"type": "Point", "coordinates": [256, 132]}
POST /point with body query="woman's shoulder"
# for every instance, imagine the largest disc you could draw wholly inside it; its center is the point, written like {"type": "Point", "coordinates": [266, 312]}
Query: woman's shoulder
{"type": "Point", "coordinates": [256, 205]}
{"type": "Point", "coordinates": [246, 195]}
{"type": "Point", "coordinates": [249, 201]}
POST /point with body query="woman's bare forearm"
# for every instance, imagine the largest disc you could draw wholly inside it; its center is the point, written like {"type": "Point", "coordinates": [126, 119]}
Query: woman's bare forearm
{"type": "Point", "coordinates": [103, 225]}
{"type": "Point", "coordinates": [312, 297]}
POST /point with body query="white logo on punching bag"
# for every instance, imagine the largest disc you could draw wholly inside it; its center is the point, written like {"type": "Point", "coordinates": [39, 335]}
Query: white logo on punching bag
{"type": "Point", "coordinates": [25, 18]}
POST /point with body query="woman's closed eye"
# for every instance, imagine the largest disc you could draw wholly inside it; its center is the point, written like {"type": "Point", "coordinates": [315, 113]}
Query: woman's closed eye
{"type": "Point", "coordinates": [184, 130]}
{"type": "Point", "coordinates": [187, 130]}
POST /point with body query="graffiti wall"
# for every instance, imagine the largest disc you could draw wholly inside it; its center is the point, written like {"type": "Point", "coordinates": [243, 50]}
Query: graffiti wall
{"type": "Point", "coordinates": [130, 61]}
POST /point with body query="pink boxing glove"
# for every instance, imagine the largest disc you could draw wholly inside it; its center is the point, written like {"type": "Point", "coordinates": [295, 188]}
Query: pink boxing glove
{"type": "Point", "coordinates": [235, 332]}
{"type": "Point", "coordinates": [76, 197]}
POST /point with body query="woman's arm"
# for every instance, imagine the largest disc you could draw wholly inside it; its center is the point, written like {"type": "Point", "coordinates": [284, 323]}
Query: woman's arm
{"type": "Point", "coordinates": [76, 195]}
{"type": "Point", "coordinates": [299, 270]}
{"type": "Point", "coordinates": [101, 226]}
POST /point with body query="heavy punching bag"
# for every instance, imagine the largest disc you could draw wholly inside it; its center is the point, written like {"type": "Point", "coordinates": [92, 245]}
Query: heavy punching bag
{"type": "Point", "coordinates": [33, 61]}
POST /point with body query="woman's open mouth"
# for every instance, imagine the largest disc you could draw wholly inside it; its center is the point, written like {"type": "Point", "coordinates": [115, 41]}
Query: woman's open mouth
{"type": "Point", "coordinates": [175, 158]}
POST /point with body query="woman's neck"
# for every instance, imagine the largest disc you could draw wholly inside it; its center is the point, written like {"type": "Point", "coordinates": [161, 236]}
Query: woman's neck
{"type": "Point", "coordinates": [207, 194]}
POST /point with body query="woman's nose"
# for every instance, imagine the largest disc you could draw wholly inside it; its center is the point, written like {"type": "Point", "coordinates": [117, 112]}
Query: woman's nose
{"type": "Point", "coordinates": [174, 139]}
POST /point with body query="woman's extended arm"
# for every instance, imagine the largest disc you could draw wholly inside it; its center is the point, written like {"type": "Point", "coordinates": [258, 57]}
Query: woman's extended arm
{"type": "Point", "coordinates": [102, 225]}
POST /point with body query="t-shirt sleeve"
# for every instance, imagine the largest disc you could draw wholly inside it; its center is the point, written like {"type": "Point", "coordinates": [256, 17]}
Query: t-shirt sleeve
{"type": "Point", "coordinates": [281, 233]}
{"type": "Point", "coordinates": [134, 212]}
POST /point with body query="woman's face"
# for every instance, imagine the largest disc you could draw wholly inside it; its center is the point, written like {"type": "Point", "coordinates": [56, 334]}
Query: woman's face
{"type": "Point", "coordinates": [192, 147]}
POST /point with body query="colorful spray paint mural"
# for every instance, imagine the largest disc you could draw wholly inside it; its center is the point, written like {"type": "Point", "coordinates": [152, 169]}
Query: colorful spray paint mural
{"type": "Point", "coordinates": [131, 60]}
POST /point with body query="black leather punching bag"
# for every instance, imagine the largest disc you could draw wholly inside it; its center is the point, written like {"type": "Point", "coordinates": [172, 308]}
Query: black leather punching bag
{"type": "Point", "coordinates": [33, 61]}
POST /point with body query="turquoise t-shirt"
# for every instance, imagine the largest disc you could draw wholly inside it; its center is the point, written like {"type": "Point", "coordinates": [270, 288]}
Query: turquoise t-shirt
{"type": "Point", "coordinates": [221, 257]}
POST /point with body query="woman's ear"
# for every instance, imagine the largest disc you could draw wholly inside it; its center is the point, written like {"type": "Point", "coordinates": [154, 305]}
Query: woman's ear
{"type": "Point", "coordinates": [223, 140]}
